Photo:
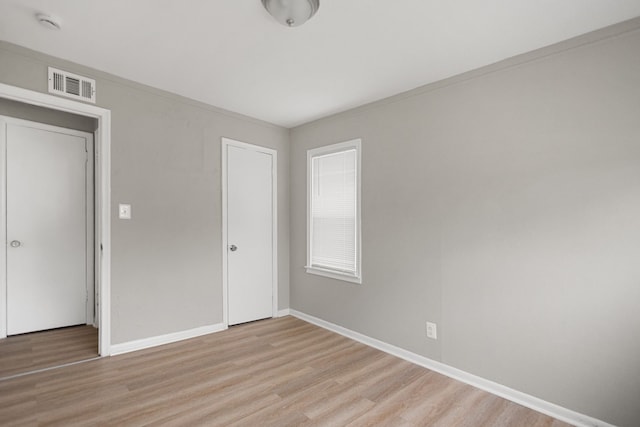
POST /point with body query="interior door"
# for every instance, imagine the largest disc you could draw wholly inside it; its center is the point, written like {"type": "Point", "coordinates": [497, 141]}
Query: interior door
{"type": "Point", "coordinates": [46, 227]}
{"type": "Point", "coordinates": [250, 234]}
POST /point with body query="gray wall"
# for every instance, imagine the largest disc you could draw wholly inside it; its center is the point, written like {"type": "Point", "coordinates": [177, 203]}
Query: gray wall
{"type": "Point", "coordinates": [504, 205]}
{"type": "Point", "coordinates": [166, 261]}
{"type": "Point", "coordinates": [23, 111]}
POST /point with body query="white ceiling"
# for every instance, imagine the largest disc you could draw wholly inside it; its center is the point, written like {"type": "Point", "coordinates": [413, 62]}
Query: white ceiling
{"type": "Point", "coordinates": [232, 54]}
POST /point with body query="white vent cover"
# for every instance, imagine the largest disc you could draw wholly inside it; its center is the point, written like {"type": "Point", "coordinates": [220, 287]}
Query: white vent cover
{"type": "Point", "coordinates": [72, 85]}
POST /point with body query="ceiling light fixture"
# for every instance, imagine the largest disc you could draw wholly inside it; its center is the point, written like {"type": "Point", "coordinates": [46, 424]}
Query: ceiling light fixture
{"type": "Point", "coordinates": [48, 21]}
{"type": "Point", "coordinates": [291, 13]}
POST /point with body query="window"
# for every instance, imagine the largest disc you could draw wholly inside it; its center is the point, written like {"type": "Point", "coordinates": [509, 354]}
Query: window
{"type": "Point", "coordinates": [333, 211]}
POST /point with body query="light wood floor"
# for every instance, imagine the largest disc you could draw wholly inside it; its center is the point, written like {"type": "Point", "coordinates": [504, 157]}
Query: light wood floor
{"type": "Point", "coordinates": [38, 350]}
{"type": "Point", "coordinates": [277, 372]}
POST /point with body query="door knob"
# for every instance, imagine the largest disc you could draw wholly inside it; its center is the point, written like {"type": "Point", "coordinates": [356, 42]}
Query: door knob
{"type": "Point", "coordinates": [15, 243]}
{"type": "Point", "coordinates": [232, 248]}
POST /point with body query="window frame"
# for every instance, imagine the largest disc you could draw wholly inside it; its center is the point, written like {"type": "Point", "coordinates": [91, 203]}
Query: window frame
{"type": "Point", "coordinates": [323, 151]}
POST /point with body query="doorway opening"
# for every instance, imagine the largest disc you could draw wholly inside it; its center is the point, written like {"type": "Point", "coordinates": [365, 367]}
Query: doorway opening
{"type": "Point", "coordinates": [48, 218]}
{"type": "Point", "coordinates": [101, 234]}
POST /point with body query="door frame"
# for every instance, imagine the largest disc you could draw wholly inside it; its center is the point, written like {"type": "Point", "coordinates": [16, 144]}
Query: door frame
{"type": "Point", "coordinates": [90, 311]}
{"type": "Point", "coordinates": [227, 142]}
{"type": "Point", "coordinates": [102, 196]}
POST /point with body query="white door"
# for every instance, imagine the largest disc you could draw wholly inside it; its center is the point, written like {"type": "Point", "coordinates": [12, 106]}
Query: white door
{"type": "Point", "coordinates": [46, 220]}
{"type": "Point", "coordinates": [250, 233]}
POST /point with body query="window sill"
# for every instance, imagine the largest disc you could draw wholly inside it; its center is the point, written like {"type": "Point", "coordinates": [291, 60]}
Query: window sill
{"type": "Point", "coordinates": [334, 275]}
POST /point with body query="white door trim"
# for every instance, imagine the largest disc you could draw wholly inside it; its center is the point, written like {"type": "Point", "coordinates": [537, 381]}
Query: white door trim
{"type": "Point", "coordinates": [89, 194]}
{"type": "Point", "coordinates": [226, 142]}
{"type": "Point", "coordinates": [91, 234]}
{"type": "Point", "coordinates": [102, 144]}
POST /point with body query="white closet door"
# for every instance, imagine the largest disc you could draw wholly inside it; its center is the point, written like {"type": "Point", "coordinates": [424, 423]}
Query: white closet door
{"type": "Point", "coordinates": [46, 229]}
{"type": "Point", "coordinates": [249, 234]}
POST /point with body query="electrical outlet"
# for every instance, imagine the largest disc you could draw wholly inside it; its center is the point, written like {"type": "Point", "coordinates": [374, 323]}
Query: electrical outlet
{"type": "Point", "coordinates": [432, 331]}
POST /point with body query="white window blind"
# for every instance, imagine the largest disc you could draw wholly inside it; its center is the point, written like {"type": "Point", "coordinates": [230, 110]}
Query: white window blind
{"type": "Point", "coordinates": [334, 210]}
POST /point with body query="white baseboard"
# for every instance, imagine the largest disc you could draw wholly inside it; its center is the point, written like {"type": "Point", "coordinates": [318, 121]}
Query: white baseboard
{"type": "Point", "coordinates": [548, 408]}
{"type": "Point", "coordinates": [282, 313]}
{"type": "Point", "coordinates": [135, 345]}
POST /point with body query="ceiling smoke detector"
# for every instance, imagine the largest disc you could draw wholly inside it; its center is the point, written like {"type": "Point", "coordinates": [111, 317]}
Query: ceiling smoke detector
{"type": "Point", "coordinates": [48, 21]}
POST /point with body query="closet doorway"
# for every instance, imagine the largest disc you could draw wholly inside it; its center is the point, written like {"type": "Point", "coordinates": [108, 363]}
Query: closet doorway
{"type": "Point", "coordinates": [49, 311]}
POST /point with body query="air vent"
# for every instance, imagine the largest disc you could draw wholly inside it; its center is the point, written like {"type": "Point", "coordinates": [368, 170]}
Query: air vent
{"type": "Point", "coordinates": [72, 85]}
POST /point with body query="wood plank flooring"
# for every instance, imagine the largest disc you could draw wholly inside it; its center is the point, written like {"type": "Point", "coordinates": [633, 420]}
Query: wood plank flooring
{"type": "Point", "coordinates": [38, 350]}
{"type": "Point", "coordinates": [276, 372]}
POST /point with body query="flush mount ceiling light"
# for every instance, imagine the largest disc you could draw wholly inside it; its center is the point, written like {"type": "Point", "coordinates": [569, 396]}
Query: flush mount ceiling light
{"type": "Point", "coordinates": [48, 21]}
{"type": "Point", "coordinates": [291, 13]}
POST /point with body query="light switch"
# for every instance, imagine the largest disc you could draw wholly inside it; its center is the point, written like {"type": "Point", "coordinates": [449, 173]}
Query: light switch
{"type": "Point", "coordinates": [432, 331]}
{"type": "Point", "coordinates": [124, 211]}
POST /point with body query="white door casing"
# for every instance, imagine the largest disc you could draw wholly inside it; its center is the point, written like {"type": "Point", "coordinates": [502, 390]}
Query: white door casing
{"type": "Point", "coordinates": [102, 203]}
{"type": "Point", "coordinates": [249, 232]}
{"type": "Point", "coordinates": [48, 189]}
